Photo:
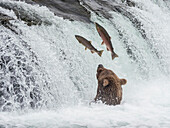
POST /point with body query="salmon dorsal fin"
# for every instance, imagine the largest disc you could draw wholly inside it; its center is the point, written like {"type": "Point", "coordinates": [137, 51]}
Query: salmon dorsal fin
{"type": "Point", "coordinates": [109, 37]}
{"type": "Point", "coordinates": [90, 42]}
{"type": "Point", "coordinates": [85, 48]}
{"type": "Point", "coordinates": [107, 49]}
{"type": "Point", "coordinates": [102, 43]}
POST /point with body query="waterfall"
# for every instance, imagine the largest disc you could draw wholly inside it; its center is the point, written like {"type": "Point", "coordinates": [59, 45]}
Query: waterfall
{"type": "Point", "coordinates": [46, 72]}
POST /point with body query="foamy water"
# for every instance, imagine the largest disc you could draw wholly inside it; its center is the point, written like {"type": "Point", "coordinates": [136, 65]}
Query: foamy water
{"type": "Point", "coordinates": [71, 70]}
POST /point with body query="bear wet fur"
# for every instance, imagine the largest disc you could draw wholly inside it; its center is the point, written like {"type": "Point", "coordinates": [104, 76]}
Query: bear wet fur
{"type": "Point", "coordinates": [109, 89]}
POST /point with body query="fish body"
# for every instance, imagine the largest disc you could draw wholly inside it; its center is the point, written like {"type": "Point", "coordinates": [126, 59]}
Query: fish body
{"type": "Point", "coordinates": [88, 45]}
{"type": "Point", "coordinates": [106, 39]}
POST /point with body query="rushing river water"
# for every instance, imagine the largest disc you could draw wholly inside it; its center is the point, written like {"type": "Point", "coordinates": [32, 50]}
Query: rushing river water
{"type": "Point", "coordinates": [48, 79]}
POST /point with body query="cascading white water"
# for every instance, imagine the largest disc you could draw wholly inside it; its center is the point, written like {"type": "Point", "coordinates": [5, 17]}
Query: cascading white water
{"type": "Point", "coordinates": [71, 70]}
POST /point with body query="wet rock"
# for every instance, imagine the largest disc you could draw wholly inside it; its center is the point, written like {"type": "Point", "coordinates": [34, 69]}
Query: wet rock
{"type": "Point", "coordinates": [68, 9]}
{"type": "Point", "coordinates": [101, 8]}
{"type": "Point", "coordinates": [21, 13]}
{"type": "Point", "coordinates": [130, 3]}
{"type": "Point", "coordinates": [4, 18]}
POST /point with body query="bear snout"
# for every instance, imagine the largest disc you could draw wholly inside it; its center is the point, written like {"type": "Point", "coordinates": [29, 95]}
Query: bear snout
{"type": "Point", "coordinates": [100, 66]}
{"type": "Point", "coordinates": [99, 69]}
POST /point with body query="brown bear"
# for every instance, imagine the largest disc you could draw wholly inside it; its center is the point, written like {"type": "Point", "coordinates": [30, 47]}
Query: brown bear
{"type": "Point", "coordinates": [109, 89]}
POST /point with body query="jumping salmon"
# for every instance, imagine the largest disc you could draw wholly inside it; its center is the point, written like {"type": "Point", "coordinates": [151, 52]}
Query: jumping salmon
{"type": "Point", "coordinates": [106, 39]}
{"type": "Point", "coordinates": [88, 45]}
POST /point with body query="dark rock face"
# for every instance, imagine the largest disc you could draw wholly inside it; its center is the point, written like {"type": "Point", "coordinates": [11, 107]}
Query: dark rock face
{"type": "Point", "coordinates": [25, 15]}
{"type": "Point", "coordinates": [21, 79]}
{"type": "Point", "coordinates": [68, 9]}
{"type": "Point", "coordinates": [130, 3]}
{"type": "Point", "coordinates": [5, 18]}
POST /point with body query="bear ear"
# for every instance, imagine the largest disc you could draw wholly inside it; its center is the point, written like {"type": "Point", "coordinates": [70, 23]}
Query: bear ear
{"type": "Point", "coordinates": [123, 81]}
{"type": "Point", "coordinates": [105, 82]}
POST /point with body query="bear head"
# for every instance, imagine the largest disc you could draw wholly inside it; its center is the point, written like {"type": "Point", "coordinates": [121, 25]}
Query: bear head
{"type": "Point", "coordinates": [109, 86]}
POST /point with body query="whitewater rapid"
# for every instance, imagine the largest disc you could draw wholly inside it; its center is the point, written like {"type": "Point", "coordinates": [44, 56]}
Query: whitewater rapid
{"type": "Point", "coordinates": [70, 71]}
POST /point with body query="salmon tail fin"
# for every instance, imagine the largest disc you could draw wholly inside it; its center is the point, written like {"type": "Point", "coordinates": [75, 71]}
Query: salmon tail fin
{"type": "Point", "coordinates": [114, 55]}
{"type": "Point", "coordinates": [100, 53]}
